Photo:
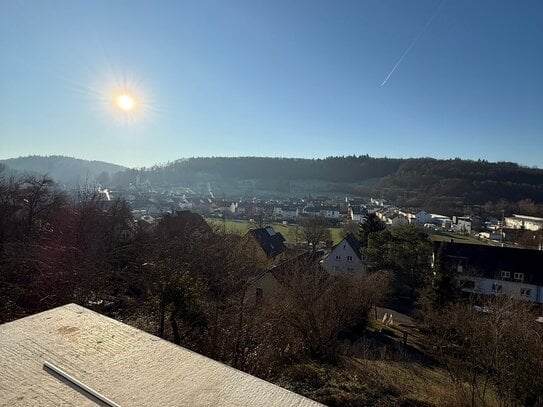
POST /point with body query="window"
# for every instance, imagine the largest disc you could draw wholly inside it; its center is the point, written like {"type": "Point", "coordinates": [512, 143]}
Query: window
{"type": "Point", "coordinates": [519, 276]}
{"type": "Point", "coordinates": [459, 268]}
{"type": "Point", "coordinates": [506, 274]}
{"type": "Point", "coordinates": [497, 288]}
{"type": "Point", "coordinates": [349, 258]}
{"type": "Point", "coordinates": [338, 257]}
{"type": "Point", "coordinates": [526, 292]}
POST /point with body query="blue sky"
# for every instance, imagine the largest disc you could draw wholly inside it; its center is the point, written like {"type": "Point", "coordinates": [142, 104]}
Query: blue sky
{"type": "Point", "coordinates": [274, 78]}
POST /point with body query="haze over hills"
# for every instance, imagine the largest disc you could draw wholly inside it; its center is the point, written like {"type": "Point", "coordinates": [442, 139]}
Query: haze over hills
{"type": "Point", "coordinates": [62, 169]}
{"type": "Point", "coordinates": [440, 185]}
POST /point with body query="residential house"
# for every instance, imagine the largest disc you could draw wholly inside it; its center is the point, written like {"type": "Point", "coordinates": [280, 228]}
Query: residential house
{"type": "Point", "coordinates": [356, 214]}
{"type": "Point", "coordinates": [312, 210]}
{"type": "Point", "coordinates": [423, 217]}
{"type": "Point", "coordinates": [156, 210]}
{"type": "Point", "coordinates": [493, 270]}
{"type": "Point", "coordinates": [377, 202]}
{"type": "Point", "coordinates": [224, 206]}
{"type": "Point", "coordinates": [330, 211]}
{"type": "Point", "coordinates": [345, 257]}
{"type": "Point", "coordinates": [410, 216]}
{"type": "Point", "coordinates": [269, 241]}
{"type": "Point", "coordinates": [285, 212]}
{"type": "Point", "coordinates": [524, 222]}
{"type": "Point", "coordinates": [267, 283]}
{"type": "Point", "coordinates": [184, 223]}
{"type": "Point", "coordinates": [184, 204]}
{"type": "Point", "coordinates": [442, 221]}
{"type": "Point", "coordinates": [397, 220]}
{"type": "Point", "coordinates": [461, 224]}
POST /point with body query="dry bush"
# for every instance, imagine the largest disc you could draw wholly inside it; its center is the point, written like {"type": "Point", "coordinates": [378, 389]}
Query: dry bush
{"type": "Point", "coordinates": [498, 351]}
{"type": "Point", "coordinates": [317, 310]}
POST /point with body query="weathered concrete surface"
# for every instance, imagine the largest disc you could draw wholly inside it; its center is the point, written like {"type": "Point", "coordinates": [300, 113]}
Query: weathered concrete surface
{"type": "Point", "coordinates": [128, 366]}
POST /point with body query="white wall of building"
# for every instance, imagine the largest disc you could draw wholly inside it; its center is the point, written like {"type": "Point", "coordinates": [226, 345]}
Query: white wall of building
{"type": "Point", "coordinates": [488, 286]}
{"type": "Point", "coordinates": [343, 259]}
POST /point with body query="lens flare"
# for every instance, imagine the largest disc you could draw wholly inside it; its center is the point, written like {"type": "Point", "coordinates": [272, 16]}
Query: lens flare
{"type": "Point", "coordinates": [125, 102]}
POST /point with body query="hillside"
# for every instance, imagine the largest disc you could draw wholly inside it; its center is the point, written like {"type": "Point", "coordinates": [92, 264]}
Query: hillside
{"type": "Point", "coordinates": [444, 186]}
{"type": "Point", "coordinates": [63, 169]}
{"type": "Point", "coordinates": [439, 185]}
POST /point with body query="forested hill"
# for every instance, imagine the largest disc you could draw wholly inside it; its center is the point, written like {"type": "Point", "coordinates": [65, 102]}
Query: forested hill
{"type": "Point", "coordinates": [63, 169]}
{"type": "Point", "coordinates": [438, 185]}
{"type": "Point", "coordinates": [433, 183]}
{"type": "Point", "coordinates": [333, 169]}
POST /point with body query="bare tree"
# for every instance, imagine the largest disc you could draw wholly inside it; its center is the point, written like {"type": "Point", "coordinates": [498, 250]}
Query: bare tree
{"type": "Point", "coordinates": [315, 309]}
{"type": "Point", "coordinates": [313, 230]}
{"type": "Point", "coordinates": [497, 345]}
{"type": "Point", "coordinates": [350, 226]}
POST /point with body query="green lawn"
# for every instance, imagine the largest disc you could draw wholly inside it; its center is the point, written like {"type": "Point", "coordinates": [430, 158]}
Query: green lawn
{"type": "Point", "coordinates": [288, 231]}
{"type": "Point", "coordinates": [440, 236]}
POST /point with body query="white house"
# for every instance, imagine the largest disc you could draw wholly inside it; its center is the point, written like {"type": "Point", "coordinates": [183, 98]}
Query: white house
{"type": "Point", "coordinates": [312, 210]}
{"type": "Point", "coordinates": [345, 257]}
{"type": "Point", "coordinates": [441, 221]}
{"type": "Point", "coordinates": [493, 270]}
{"type": "Point", "coordinates": [285, 212]}
{"type": "Point", "coordinates": [461, 225]}
{"type": "Point", "coordinates": [378, 202]}
{"type": "Point", "coordinates": [185, 205]}
{"type": "Point", "coordinates": [356, 214]}
{"type": "Point", "coordinates": [515, 289]}
{"type": "Point", "coordinates": [397, 220]}
{"type": "Point", "coordinates": [423, 217]}
{"type": "Point", "coordinates": [330, 212]}
{"type": "Point", "coordinates": [524, 222]}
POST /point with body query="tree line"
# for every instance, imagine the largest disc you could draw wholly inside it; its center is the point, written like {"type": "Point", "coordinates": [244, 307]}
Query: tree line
{"type": "Point", "coordinates": [440, 185]}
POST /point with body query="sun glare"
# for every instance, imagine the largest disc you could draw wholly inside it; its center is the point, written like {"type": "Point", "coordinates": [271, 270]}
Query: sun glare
{"type": "Point", "coordinates": [125, 102]}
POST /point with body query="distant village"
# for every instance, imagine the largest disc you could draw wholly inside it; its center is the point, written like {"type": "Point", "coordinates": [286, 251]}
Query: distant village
{"type": "Point", "coordinates": [483, 252]}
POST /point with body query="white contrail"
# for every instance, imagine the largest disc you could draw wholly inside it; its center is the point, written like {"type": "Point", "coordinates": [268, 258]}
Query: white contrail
{"type": "Point", "coordinates": [414, 42]}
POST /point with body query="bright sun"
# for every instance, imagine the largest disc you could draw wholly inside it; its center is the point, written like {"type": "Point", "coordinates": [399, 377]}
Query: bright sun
{"type": "Point", "coordinates": [125, 102]}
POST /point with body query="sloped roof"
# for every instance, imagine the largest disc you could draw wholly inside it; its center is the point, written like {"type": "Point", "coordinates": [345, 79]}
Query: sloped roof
{"type": "Point", "coordinates": [269, 240]}
{"type": "Point", "coordinates": [491, 260]}
{"type": "Point", "coordinates": [124, 364]}
{"type": "Point", "coordinates": [352, 241]}
{"type": "Point", "coordinates": [191, 221]}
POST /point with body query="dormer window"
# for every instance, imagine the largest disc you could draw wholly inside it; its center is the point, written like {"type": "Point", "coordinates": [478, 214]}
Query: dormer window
{"type": "Point", "coordinates": [506, 274]}
{"type": "Point", "coordinates": [518, 276]}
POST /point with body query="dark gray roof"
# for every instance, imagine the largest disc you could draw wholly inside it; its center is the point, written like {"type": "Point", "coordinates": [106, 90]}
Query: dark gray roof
{"type": "Point", "coordinates": [489, 261]}
{"type": "Point", "coordinates": [352, 241]}
{"type": "Point", "coordinates": [270, 241]}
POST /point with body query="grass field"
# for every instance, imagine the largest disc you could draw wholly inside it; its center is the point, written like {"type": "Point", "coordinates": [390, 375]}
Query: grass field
{"type": "Point", "coordinates": [440, 236]}
{"type": "Point", "coordinates": [288, 231]}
